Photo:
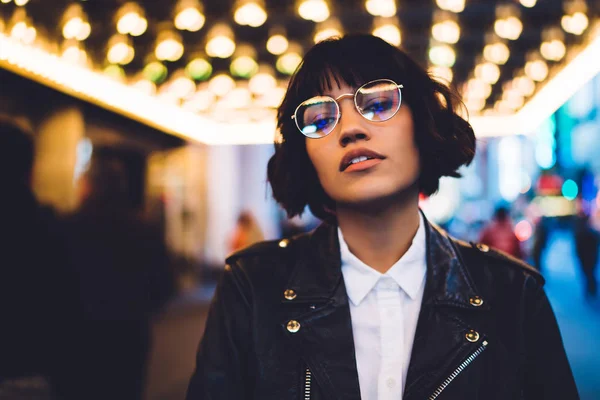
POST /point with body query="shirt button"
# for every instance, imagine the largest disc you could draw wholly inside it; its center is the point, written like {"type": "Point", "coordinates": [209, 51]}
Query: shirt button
{"type": "Point", "coordinates": [391, 382]}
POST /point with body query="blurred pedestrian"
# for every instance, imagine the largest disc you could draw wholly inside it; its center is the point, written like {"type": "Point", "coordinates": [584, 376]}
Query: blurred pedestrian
{"type": "Point", "coordinates": [246, 232]}
{"type": "Point", "coordinates": [39, 296]}
{"type": "Point", "coordinates": [125, 279]}
{"type": "Point", "coordinates": [500, 234]}
{"type": "Point", "coordinates": [587, 242]}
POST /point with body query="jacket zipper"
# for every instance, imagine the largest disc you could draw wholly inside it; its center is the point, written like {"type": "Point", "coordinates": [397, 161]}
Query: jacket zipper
{"type": "Point", "coordinates": [307, 383]}
{"type": "Point", "coordinates": [458, 370]}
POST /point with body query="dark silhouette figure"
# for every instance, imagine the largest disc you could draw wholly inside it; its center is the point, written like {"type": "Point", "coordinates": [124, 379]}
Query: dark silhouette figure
{"type": "Point", "coordinates": [587, 242]}
{"type": "Point", "coordinates": [500, 234]}
{"type": "Point", "coordinates": [39, 303]}
{"type": "Point", "coordinates": [123, 268]}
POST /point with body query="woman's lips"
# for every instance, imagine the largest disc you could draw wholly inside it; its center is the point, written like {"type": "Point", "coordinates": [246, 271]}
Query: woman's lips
{"type": "Point", "coordinates": [363, 165]}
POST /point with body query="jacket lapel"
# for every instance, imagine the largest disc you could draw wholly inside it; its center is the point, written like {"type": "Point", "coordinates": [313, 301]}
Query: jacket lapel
{"type": "Point", "coordinates": [446, 316]}
{"type": "Point", "coordinates": [325, 337]}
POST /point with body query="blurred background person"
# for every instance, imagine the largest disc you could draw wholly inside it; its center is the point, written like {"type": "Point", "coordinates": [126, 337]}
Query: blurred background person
{"type": "Point", "coordinates": [499, 233]}
{"type": "Point", "coordinates": [246, 232]}
{"type": "Point", "coordinates": [39, 297]}
{"type": "Point", "coordinates": [123, 267]}
{"type": "Point", "coordinates": [587, 241]}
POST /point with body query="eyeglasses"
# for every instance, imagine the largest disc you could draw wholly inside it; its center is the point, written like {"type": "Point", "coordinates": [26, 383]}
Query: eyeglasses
{"type": "Point", "coordinates": [376, 101]}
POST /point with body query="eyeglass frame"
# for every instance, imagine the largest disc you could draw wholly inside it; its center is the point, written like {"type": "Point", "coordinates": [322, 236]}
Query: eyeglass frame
{"type": "Point", "coordinates": [339, 111]}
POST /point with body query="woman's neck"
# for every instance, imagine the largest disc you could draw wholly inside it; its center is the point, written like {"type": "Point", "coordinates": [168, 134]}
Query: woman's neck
{"type": "Point", "coordinates": [382, 236]}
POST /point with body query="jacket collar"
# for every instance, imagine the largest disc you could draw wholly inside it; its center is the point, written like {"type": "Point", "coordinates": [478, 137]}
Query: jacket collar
{"type": "Point", "coordinates": [318, 273]}
{"type": "Point", "coordinates": [325, 338]}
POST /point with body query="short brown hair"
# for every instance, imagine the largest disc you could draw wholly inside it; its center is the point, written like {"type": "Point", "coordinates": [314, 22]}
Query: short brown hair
{"type": "Point", "coordinates": [444, 139]}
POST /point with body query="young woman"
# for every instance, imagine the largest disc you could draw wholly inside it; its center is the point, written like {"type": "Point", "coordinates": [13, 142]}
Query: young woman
{"type": "Point", "coordinates": [376, 303]}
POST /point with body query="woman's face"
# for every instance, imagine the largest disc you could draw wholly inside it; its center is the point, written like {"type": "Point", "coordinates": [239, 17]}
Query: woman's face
{"type": "Point", "coordinates": [392, 167]}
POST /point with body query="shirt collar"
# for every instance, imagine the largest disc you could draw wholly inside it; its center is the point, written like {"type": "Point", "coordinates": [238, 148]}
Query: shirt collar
{"type": "Point", "coordinates": [408, 272]}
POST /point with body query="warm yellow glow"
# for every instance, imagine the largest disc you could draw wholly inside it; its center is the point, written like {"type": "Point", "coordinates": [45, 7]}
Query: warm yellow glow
{"type": "Point", "coordinates": [73, 54]}
{"type": "Point", "coordinates": [120, 50]}
{"type": "Point", "coordinates": [251, 14]}
{"type": "Point", "coordinates": [488, 72]}
{"type": "Point", "coordinates": [442, 55]}
{"type": "Point", "coordinates": [451, 5]}
{"type": "Point", "coordinates": [475, 104]}
{"type": "Point", "coordinates": [327, 33]}
{"type": "Point", "coordinates": [21, 2]}
{"type": "Point", "coordinates": [244, 66]}
{"type": "Point", "coordinates": [390, 33]}
{"type": "Point", "coordinates": [513, 99]}
{"type": "Point", "coordinates": [221, 84]}
{"type": "Point", "coordinates": [238, 98]}
{"type": "Point", "coordinates": [314, 10]}
{"type": "Point", "coordinates": [575, 24]}
{"type": "Point", "coordinates": [443, 74]}
{"type": "Point", "coordinates": [23, 33]}
{"type": "Point", "coordinates": [132, 23]}
{"type": "Point", "coordinates": [525, 85]}
{"type": "Point", "coordinates": [277, 44]}
{"type": "Point", "coordinates": [478, 89]}
{"type": "Point", "coordinates": [262, 82]}
{"type": "Point", "coordinates": [201, 101]}
{"type": "Point", "coordinates": [170, 48]}
{"type": "Point", "coordinates": [76, 28]}
{"type": "Point", "coordinates": [536, 70]}
{"type": "Point", "coordinates": [5, 1]}
{"type": "Point", "coordinates": [220, 46]}
{"type": "Point", "coordinates": [287, 63]}
{"type": "Point", "coordinates": [528, 3]}
{"type": "Point", "coordinates": [182, 87]}
{"type": "Point", "coordinates": [189, 19]}
{"type": "Point", "coordinates": [446, 31]}
{"type": "Point", "coordinates": [509, 28]}
{"type": "Point", "coordinates": [146, 87]}
{"type": "Point", "coordinates": [381, 8]}
{"type": "Point", "coordinates": [554, 50]}
{"type": "Point", "coordinates": [497, 53]}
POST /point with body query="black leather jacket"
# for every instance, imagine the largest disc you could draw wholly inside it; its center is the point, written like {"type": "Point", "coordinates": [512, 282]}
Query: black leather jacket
{"type": "Point", "coordinates": [279, 327]}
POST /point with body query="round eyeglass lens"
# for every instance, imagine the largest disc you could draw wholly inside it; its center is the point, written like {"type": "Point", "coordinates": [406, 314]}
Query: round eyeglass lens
{"type": "Point", "coordinates": [316, 117]}
{"type": "Point", "coordinates": [378, 100]}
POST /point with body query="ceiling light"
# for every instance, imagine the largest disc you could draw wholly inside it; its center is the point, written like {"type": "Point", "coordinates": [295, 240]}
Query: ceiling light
{"type": "Point", "coordinates": [327, 30]}
{"type": "Point", "coordinates": [554, 50]}
{"type": "Point", "coordinates": [155, 71]}
{"type": "Point", "coordinates": [199, 69]}
{"type": "Point", "coordinates": [536, 68]}
{"type": "Point", "coordinates": [381, 8]}
{"type": "Point", "coordinates": [442, 55]}
{"type": "Point", "coordinates": [131, 20]}
{"type": "Point", "coordinates": [528, 3]}
{"type": "Point", "coordinates": [201, 101]}
{"type": "Point", "coordinates": [221, 84]}
{"type": "Point", "coordinates": [120, 50]}
{"type": "Point", "coordinates": [73, 54]}
{"type": "Point", "coordinates": [169, 46]}
{"type": "Point", "coordinates": [181, 86]}
{"type": "Point", "coordinates": [525, 85]}
{"type": "Point", "coordinates": [220, 42]}
{"type": "Point", "coordinates": [263, 81]}
{"type": "Point", "coordinates": [446, 31]}
{"type": "Point", "coordinates": [388, 30]}
{"type": "Point", "coordinates": [497, 53]}
{"type": "Point", "coordinates": [21, 2]}
{"type": "Point", "coordinates": [455, 6]}
{"type": "Point", "coordinates": [314, 10]}
{"type": "Point", "coordinates": [189, 15]}
{"type": "Point", "coordinates": [145, 86]}
{"type": "Point", "coordinates": [475, 104]}
{"type": "Point", "coordinates": [575, 24]}
{"type": "Point", "coordinates": [250, 12]}
{"type": "Point", "coordinates": [244, 63]}
{"type": "Point", "coordinates": [487, 72]}
{"type": "Point", "coordinates": [443, 74]}
{"type": "Point", "coordinates": [477, 88]}
{"type": "Point", "coordinates": [288, 62]}
{"type": "Point", "coordinates": [23, 32]}
{"type": "Point", "coordinates": [277, 44]}
{"type": "Point", "coordinates": [508, 24]}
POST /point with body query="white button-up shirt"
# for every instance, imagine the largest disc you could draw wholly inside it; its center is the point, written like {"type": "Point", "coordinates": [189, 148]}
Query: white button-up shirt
{"type": "Point", "coordinates": [384, 309]}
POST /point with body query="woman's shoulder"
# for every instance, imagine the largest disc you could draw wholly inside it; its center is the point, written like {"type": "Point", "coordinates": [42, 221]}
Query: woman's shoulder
{"type": "Point", "coordinates": [485, 262]}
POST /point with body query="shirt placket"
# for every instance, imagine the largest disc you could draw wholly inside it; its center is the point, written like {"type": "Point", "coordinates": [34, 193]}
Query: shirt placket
{"type": "Point", "coordinates": [389, 302]}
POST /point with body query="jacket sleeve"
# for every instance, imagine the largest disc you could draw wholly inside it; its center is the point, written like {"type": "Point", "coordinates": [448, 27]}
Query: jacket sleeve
{"type": "Point", "coordinates": [222, 365]}
{"type": "Point", "coordinates": [547, 371]}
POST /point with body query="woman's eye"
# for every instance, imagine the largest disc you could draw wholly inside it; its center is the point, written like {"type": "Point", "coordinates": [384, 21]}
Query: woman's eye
{"type": "Point", "coordinates": [378, 105]}
{"type": "Point", "coordinates": [321, 121]}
